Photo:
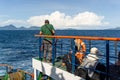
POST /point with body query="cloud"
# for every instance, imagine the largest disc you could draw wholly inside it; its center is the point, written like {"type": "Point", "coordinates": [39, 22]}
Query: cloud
{"type": "Point", "coordinates": [79, 20]}
{"type": "Point", "coordinates": [84, 20]}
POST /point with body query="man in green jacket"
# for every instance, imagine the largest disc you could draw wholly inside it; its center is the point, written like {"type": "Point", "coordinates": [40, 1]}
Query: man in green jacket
{"type": "Point", "coordinates": [47, 29]}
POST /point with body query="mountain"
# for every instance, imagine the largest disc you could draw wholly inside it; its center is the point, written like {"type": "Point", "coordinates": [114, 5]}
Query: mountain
{"type": "Point", "coordinates": [21, 28]}
{"type": "Point", "coordinates": [117, 28]}
{"type": "Point", "coordinates": [34, 28]}
{"type": "Point", "coordinates": [8, 27]}
{"type": "Point", "coordinates": [12, 27]}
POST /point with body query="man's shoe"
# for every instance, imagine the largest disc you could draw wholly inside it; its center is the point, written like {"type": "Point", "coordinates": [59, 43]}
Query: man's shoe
{"type": "Point", "coordinates": [44, 59]}
{"type": "Point", "coordinates": [48, 61]}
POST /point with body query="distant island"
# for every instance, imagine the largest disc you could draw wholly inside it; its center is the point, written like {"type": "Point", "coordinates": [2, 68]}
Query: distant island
{"type": "Point", "coordinates": [12, 27]}
{"type": "Point", "coordinates": [117, 28]}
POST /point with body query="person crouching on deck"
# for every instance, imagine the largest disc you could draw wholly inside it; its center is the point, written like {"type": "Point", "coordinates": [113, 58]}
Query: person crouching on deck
{"type": "Point", "coordinates": [67, 61]}
{"type": "Point", "coordinates": [80, 53]}
{"type": "Point", "coordinates": [115, 69]}
{"type": "Point", "coordinates": [90, 63]}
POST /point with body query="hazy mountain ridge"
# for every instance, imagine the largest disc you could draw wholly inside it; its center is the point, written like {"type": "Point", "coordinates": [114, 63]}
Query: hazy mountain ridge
{"type": "Point", "coordinates": [12, 27]}
{"type": "Point", "coordinates": [117, 28]}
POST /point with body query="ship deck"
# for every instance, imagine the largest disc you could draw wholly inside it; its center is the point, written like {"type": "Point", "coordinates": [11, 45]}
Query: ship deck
{"type": "Point", "coordinates": [53, 71]}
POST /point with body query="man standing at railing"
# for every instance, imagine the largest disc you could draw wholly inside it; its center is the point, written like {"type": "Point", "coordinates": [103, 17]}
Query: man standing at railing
{"type": "Point", "coordinates": [47, 29]}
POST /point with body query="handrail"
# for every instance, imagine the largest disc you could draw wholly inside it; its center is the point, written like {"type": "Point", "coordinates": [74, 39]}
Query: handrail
{"type": "Point", "coordinates": [107, 39]}
{"type": "Point", "coordinates": [6, 65]}
{"type": "Point", "coordinates": [81, 37]}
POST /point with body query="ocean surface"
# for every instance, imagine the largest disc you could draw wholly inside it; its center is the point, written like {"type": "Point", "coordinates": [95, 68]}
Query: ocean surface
{"type": "Point", "coordinates": [18, 47]}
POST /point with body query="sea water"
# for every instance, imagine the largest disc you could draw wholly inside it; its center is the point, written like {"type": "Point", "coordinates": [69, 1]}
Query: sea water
{"type": "Point", "coordinates": [18, 47]}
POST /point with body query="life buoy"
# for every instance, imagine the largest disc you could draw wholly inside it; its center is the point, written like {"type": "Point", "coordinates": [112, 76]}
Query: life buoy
{"type": "Point", "coordinates": [80, 45]}
{"type": "Point", "coordinates": [81, 49]}
{"type": "Point", "coordinates": [80, 56]}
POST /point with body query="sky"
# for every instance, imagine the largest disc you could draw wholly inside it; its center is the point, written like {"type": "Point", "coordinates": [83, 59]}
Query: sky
{"type": "Point", "coordinates": [62, 14]}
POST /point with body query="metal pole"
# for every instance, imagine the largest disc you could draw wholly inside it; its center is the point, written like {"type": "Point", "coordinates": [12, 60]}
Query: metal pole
{"type": "Point", "coordinates": [53, 51]}
{"type": "Point", "coordinates": [40, 54]}
{"type": "Point", "coordinates": [89, 45]}
{"type": "Point", "coordinates": [107, 59]}
{"type": "Point", "coordinates": [35, 74]}
{"type": "Point", "coordinates": [116, 52]}
{"type": "Point", "coordinates": [73, 56]}
{"type": "Point", "coordinates": [61, 47]}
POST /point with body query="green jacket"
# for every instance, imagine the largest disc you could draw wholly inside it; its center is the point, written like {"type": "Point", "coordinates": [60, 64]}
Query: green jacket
{"type": "Point", "coordinates": [46, 29]}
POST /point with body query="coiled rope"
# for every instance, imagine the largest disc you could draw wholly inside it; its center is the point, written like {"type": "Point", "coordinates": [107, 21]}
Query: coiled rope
{"type": "Point", "coordinates": [17, 76]}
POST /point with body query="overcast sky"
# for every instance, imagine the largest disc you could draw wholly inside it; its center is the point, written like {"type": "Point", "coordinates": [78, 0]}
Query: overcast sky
{"type": "Point", "coordinates": [78, 14]}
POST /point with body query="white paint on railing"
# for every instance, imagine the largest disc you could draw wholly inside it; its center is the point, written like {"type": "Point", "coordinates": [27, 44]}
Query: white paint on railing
{"type": "Point", "coordinates": [54, 72]}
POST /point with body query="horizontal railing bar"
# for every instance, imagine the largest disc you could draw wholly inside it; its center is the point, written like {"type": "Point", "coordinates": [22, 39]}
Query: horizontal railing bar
{"type": "Point", "coordinates": [81, 37]}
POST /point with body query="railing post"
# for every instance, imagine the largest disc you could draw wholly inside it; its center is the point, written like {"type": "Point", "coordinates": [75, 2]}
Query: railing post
{"type": "Point", "coordinates": [73, 55]}
{"type": "Point", "coordinates": [89, 45]}
{"type": "Point", "coordinates": [116, 52]}
{"type": "Point", "coordinates": [35, 74]}
{"type": "Point", "coordinates": [61, 45]}
{"type": "Point", "coordinates": [7, 69]}
{"type": "Point", "coordinates": [107, 59]}
{"type": "Point", "coordinates": [53, 51]}
{"type": "Point", "coordinates": [40, 43]}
